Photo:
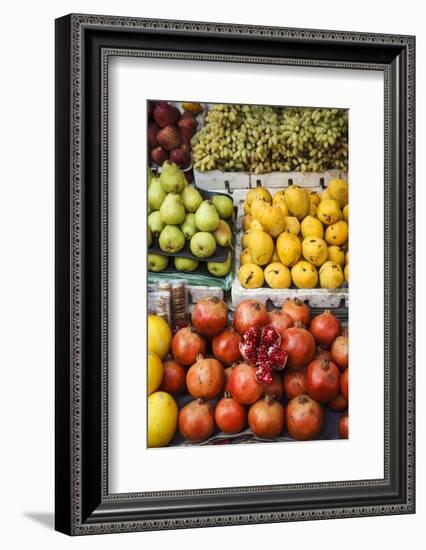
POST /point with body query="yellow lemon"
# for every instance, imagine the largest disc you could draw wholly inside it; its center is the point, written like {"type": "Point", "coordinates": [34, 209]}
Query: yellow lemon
{"type": "Point", "coordinates": [329, 212]}
{"type": "Point", "coordinates": [311, 227]}
{"type": "Point", "coordinates": [314, 250]}
{"type": "Point", "coordinates": [336, 254]}
{"type": "Point", "coordinates": [258, 193]}
{"type": "Point", "coordinates": [251, 276]}
{"type": "Point", "coordinates": [304, 275]}
{"type": "Point", "coordinates": [162, 419]}
{"type": "Point", "coordinates": [159, 336]}
{"type": "Point", "coordinates": [289, 248]}
{"type": "Point", "coordinates": [337, 233]}
{"type": "Point", "coordinates": [339, 191]}
{"type": "Point", "coordinates": [261, 247]}
{"type": "Point", "coordinates": [277, 275]}
{"type": "Point", "coordinates": [155, 372]}
{"type": "Point", "coordinates": [330, 275]}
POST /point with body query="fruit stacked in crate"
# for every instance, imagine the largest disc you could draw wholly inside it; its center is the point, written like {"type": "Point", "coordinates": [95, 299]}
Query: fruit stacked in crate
{"type": "Point", "coordinates": [297, 237]}
{"type": "Point", "coordinates": [177, 215]}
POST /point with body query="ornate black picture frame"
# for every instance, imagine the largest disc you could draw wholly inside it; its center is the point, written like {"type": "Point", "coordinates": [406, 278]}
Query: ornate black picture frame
{"type": "Point", "coordinates": [84, 43]}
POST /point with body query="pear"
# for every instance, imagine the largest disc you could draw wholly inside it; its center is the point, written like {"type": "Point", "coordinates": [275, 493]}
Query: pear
{"type": "Point", "coordinates": [155, 223]}
{"type": "Point", "coordinates": [206, 217]}
{"type": "Point", "coordinates": [203, 244]}
{"type": "Point", "coordinates": [224, 206]}
{"type": "Point", "coordinates": [188, 227]}
{"type": "Point", "coordinates": [172, 211]}
{"type": "Point", "coordinates": [172, 178]}
{"type": "Point", "coordinates": [298, 201]}
{"type": "Point", "coordinates": [220, 269]}
{"type": "Point", "coordinates": [157, 262]}
{"type": "Point", "coordinates": [171, 239]}
{"type": "Point", "coordinates": [223, 234]}
{"type": "Point", "coordinates": [150, 176]}
{"type": "Point", "coordinates": [185, 264]}
{"type": "Point", "coordinates": [191, 198]}
{"type": "Point", "coordinates": [156, 195]}
{"type": "Point", "coordinates": [149, 236]}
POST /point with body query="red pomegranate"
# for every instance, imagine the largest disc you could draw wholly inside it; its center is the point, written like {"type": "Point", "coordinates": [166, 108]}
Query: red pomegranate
{"type": "Point", "coordinates": [243, 384]}
{"type": "Point", "coordinates": [174, 376]}
{"type": "Point", "coordinates": [261, 347]}
{"type": "Point", "coordinates": [322, 353]}
{"type": "Point", "coordinates": [299, 345]}
{"type": "Point", "coordinates": [226, 346]}
{"type": "Point", "coordinates": [280, 320]}
{"type": "Point", "coordinates": [322, 380]}
{"type": "Point", "coordinates": [210, 316]}
{"type": "Point", "coordinates": [196, 421]}
{"type": "Point", "coordinates": [298, 311]}
{"type": "Point", "coordinates": [227, 374]}
{"type": "Point", "coordinates": [340, 351]}
{"type": "Point", "coordinates": [266, 418]}
{"type": "Point", "coordinates": [344, 426]}
{"type": "Point", "coordinates": [230, 416]}
{"type": "Point", "coordinates": [339, 403]}
{"type": "Point", "coordinates": [205, 378]}
{"type": "Point", "coordinates": [275, 388]}
{"type": "Point", "coordinates": [186, 345]}
{"type": "Point", "coordinates": [294, 382]}
{"type": "Point", "coordinates": [304, 418]}
{"type": "Point", "coordinates": [344, 383]}
{"type": "Point", "coordinates": [325, 328]}
{"type": "Point", "coordinates": [249, 313]}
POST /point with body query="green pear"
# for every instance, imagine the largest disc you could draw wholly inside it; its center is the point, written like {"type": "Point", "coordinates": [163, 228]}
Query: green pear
{"type": "Point", "coordinates": [203, 244]}
{"type": "Point", "coordinates": [149, 236]}
{"type": "Point", "coordinates": [206, 217]}
{"type": "Point", "coordinates": [220, 269]}
{"type": "Point", "coordinates": [156, 195]}
{"type": "Point", "coordinates": [223, 234]}
{"type": "Point", "coordinates": [172, 178]}
{"type": "Point", "coordinates": [171, 239]}
{"type": "Point", "coordinates": [150, 176]}
{"type": "Point", "coordinates": [185, 264]}
{"type": "Point", "coordinates": [157, 262]}
{"type": "Point", "coordinates": [188, 227]}
{"type": "Point", "coordinates": [224, 206]}
{"type": "Point", "coordinates": [155, 223]}
{"type": "Point", "coordinates": [172, 211]}
{"type": "Point", "coordinates": [191, 198]}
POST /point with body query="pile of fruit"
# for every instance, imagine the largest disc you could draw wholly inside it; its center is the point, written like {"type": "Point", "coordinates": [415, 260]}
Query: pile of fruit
{"type": "Point", "coordinates": [170, 132]}
{"type": "Point", "coordinates": [177, 213]}
{"type": "Point", "coordinates": [262, 139]}
{"type": "Point", "coordinates": [275, 372]}
{"type": "Point", "coordinates": [296, 237]}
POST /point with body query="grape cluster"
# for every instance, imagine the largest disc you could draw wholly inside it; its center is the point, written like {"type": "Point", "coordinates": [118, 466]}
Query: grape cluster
{"type": "Point", "coordinates": [262, 139]}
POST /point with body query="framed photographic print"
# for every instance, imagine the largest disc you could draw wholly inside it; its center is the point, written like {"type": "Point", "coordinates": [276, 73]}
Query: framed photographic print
{"type": "Point", "coordinates": [209, 180]}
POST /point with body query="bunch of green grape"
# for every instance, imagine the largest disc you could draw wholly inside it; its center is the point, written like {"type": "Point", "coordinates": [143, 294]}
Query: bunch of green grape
{"type": "Point", "coordinates": [261, 139]}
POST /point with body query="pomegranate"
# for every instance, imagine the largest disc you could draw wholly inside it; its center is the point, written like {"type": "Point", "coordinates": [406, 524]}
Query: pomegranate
{"type": "Point", "coordinates": [205, 378]}
{"type": "Point", "coordinates": [322, 380]}
{"type": "Point", "coordinates": [339, 403]}
{"type": "Point", "coordinates": [294, 382]}
{"type": "Point", "coordinates": [169, 138]}
{"type": "Point", "coordinates": [344, 383]}
{"type": "Point", "coordinates": [340, 351]}
{"type": "Point", "coordinates": [280, 320]}
{"type": "Point", "coordinates": [227, 374]}
{"type": "Point", "coordinates": [186, 345]}
{"type": "Point", "coordinates": [261, 348]}
{"type": "Point", "coordinates": [298, 311]}
{"type": "Point", "coordinates": [325, 328]}
{"type": "Point", "coordinates": [266, 418]}
{"type": "Point", "coordinates": [243, 384]}
{"type": "Point", "coordinates": [226, 346]}
{"type": "Point", "coordinates": [230, 416]}
{"type": "Point", "coordinates": [153, 130]}
{"type": "Point", "coordinates": [165, 114]}
{"type": "Point", "coordinates": [249, 313]}
{"type": "Point", "coordinates": [174, 375]}
{"type": "Point", "coordinates": [210, 316]}
{"type": "Point", "coordinates": [304, 418]}
{"type": "Point", "coordinates": [275, 388]}
{"type": "Point", "coordinates": [344, 426]}
{"type": "Point", "coordinates": [196, 421]}
{"type": "Point", "coordinates": [322, 353]}
{"type": "Point", "coordinates": [299, 345]}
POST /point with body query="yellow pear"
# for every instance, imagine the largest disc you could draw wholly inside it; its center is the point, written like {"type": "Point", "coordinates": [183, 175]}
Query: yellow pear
{"type": "Point", "coordinates": [329, 212]}
{"type": "Point", "coordinates": [330, 275]}
{"type": "Point", "coordinates": [311, 227]}
{"type": "Point", "coordinates": [298, 201]}
{"type": "Point", "coordinates": [247, 221]}
{"type": "Point", "coordinates": [292, 225]}
{"type": "Point", "coordinates": [346, 213]}
{"type": "Point", "coordinates": [314, 198]}
{"type": "Point", "coordinates": [258, 193]}
{"type": "Point", "coordinates": [304, 275]}
{"type": "Point", "coordinates": [272, 219]}
{"type": "Point", "coordinates": [261, 247]}
{"type": "Point", "coordinates": [289, 248]}
{"type": "Point", "coordinates": [257, 206]}
{"type": "Point", "coordinates": [246, 208]}
{"type": "Point", "coordinates": [245, 257]}
{"type": "Point", "coordinates": [251, 276]}
{"type": "Point", "coordinates": [339, 191]}
{"type": "Point", "coordinates": [256, 225]}
{"type": "Point", "coordinates": [337, 233]}
{"type": "Point", "coordinates": [277, 275]}
{"type": "Point", "coordinates": [336, 254]}
{"type": "Point", "coordinates": [314, 250]}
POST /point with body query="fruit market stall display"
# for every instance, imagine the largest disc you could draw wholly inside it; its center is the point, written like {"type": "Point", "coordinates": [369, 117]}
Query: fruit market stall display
{"type": "Point", "coordinates": [255, 375]}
